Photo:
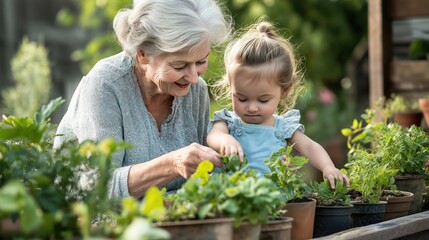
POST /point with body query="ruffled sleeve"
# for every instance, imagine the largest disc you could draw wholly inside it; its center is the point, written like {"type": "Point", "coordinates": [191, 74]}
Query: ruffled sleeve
{"type": "Point", "coordinates": [291, 122]}
{"type": "Point", "coordinates": [222, 115]}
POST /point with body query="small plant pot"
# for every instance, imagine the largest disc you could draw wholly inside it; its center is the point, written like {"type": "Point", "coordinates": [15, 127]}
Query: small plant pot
{"type": "Point", "coordinates": [331, 219]}
{"type": "Point", "coordinates": [277, 229]}
{"type": "Point", "coordinates": [216, 228]}
{"type": "Point", "coordinates": [9, 227]}
{"type": "Point", "coordinates": [397, 206]}
{"type": "Point", "coordinates": [407, 119]}
{"type": "Point", "coordinates": [414, 184]}
{"type": "Point", "coordinates": [247, 231]}
{"type": "Point", "coordinates": [367, 213]}
{"type": "Point", "coordinates": [303, 218]}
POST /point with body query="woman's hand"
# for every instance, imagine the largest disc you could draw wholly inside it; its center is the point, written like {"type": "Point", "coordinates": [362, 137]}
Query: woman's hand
{"type": "Point", "coordinates": [331, 173]}
{"type": "Point", "coordinates": [186, 159]}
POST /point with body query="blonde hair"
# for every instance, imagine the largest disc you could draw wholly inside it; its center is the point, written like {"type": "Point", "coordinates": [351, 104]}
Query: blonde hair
{"type": "Point", "coordinates": [170, 25]}
{"type": "Point", "coordinates": [259, 45]}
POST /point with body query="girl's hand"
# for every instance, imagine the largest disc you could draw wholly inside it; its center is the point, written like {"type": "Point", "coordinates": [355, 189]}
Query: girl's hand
{"type": "Point", "coordinates": [230, 146]}
{"type": "Point", "coordinates": [186, 159]}
{"type": "Point", "coordinates": [331, 173]}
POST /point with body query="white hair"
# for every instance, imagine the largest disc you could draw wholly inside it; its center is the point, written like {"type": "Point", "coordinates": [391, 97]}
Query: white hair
{"type": "Point", "coordinates": [170, 25]}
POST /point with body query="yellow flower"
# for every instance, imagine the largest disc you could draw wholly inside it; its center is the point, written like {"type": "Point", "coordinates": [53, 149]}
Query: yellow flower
{"type": "Point", "coordinates": [130, 205]}
{"type": "Point", "coordinates": [107, 146]}
{"type": "Point", "coordinates": [87, 149]}
{"type": "Point", "coordinates": [231, 192]}
{"type": "Point", "coordinates": [153, 205]}
{"type": "Point", "coordinates": [203, 170]}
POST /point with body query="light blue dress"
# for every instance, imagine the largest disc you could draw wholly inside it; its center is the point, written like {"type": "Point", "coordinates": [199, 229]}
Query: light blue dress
{"type": "Point", "coordinates": [258, 141]}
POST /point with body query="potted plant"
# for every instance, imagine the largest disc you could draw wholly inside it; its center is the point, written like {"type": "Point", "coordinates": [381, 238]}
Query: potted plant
{"type": "Point", "coordinates": [241, 196]}
{"type": "Point", "coordinates": [404, 111]}
{"type": "Point", "coordinates": [405, 150]}
{"type": "Point", "coordinates": [333, 208]}
{"type": "Point", "coordinates": [285, 173]}
{"type": "Point", "coordinates": [368, 179]}
{"type": "Point", "coordinates": [278, 226]}
{"type": "Point", "coordinates": [413, 145]}
{"type": "Point", "coordinates": [39, 186]}
{"type": "Point", "coordinates": [398, 203]}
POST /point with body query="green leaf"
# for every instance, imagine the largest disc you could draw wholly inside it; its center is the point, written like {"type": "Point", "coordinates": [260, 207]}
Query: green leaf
{"type": "Point", "coordinates": [346, 132]}
{"type": "Point", "coordinates": [202, 214]}
{"type": "Point", "coordinates": [355, 124]}
{"type": "Point", "coordinates": [232, 163]}
{"type": "Point", "coordinates": [30, 216]}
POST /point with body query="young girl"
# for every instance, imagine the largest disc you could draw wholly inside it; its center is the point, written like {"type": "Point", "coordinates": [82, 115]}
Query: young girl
{"type": "Point", "coordinates": [262, 78]}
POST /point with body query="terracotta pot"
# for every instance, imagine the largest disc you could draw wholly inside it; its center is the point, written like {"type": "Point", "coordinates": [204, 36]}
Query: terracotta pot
{"type": "Point", "coordinates": [216, 228]}
{"type": "Point", "coordinates": [277, 229]}
{"type": "Point", "coordinates": [9, 226]}
{"type": "Point", "coordinates": [303, 218]}
{"type": "Point", "coordinates": [247, 231]}
{"type": "Point", "coordinates": [397, 206]}
{"type": "Point", "coordinates": [407, 119]}
{"type": "Point", "coordinates": [424, 106]}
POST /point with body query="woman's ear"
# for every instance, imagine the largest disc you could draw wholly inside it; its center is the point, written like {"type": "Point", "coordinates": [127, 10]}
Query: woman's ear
{"type": "Point", "coordinates": [141, 57]}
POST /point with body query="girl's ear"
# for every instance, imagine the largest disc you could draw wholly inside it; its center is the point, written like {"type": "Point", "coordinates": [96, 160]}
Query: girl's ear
{"type": "Point", "coordinates": [141, 57]}
{"type": "Point", "coordinates": [285, 91]}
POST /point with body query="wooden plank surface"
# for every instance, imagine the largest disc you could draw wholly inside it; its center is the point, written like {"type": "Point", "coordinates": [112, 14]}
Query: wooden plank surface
{"type": "Point", "coordinates": [407, 8]}
{"type": "Point", "coordinates": [375, 47]}
{"type": "Point", "coordinates": [409, 71]}
{"type": "Point", "coordinates": [414, 226]}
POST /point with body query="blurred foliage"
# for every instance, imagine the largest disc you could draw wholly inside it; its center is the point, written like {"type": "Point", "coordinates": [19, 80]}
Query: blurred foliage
{"type": "Point", "coordinates": [95, 17]}
{"type": "Point", "coordinates": [324, 113]}
{"type": "Point", "coordinates": [324, 32]}
{"type": "Point", "coordinates": [32, 75]}
{"type": "Point", "coordinates": [418, 49]}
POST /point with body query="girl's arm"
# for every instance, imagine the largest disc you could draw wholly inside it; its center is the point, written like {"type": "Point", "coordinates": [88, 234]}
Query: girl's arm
{"type": "Point", "coordinates": [220, 140]}
{"type": "Point", "coordinates": [318, 157]}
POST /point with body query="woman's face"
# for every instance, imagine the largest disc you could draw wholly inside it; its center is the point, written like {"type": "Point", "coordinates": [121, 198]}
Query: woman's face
{"type": "Point", "coordinates": [173, 73]}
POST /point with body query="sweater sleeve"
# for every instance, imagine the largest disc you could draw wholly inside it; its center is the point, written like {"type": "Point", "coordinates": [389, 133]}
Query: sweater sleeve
{"type": "Point", "coordinates": [94, 113]}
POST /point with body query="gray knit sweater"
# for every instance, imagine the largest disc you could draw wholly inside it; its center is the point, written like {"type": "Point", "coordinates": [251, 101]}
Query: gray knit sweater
{"type": "Point", "coordinates": [108, 103]}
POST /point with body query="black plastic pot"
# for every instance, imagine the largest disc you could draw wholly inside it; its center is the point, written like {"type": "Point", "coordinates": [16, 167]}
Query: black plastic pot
{"type": "Point", "coordinates": [331, 219]}
{"type": "Point", "coordinates": [367, 213]}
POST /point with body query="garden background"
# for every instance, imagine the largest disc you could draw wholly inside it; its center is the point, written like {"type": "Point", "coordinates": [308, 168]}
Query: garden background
{"type": "Point", "coordinates": [65, 38]}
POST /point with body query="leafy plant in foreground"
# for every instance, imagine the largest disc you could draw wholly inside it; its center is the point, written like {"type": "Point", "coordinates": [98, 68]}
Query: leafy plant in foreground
{"type": "Point", "coordinates": [403, 149]}
{"type": "Point", "coordinates": [233, 164]}
{"type": "Point", "coordinates": [239, 195]}
{"type": "Point", "coordinates": [285, 173]}
{"type": "Point", "coordinates": [327, 196]}
{"type": "Point", "coordinates": [47, 198]}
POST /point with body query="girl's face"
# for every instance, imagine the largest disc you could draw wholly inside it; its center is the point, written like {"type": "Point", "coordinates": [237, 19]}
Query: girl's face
{"type": "Point", "coordinates": [173, 73]}
{"type": "Point", "coordinates": [254, 96]}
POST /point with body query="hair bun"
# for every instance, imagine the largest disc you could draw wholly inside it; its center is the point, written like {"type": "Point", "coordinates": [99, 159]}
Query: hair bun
{"type": "Point", "coordinates": [265, 28]}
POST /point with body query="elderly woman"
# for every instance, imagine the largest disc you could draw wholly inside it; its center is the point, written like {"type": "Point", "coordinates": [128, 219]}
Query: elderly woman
{"type": "Point", "coordinates": [151, 95]}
